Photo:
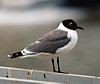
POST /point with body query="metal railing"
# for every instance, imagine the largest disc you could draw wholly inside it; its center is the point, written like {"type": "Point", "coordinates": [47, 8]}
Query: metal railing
{"type": "Point", "coordinates": [10, 75]}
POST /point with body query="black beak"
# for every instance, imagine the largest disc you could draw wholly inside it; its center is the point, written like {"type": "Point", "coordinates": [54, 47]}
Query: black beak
{"type": "Point", "coordinates": [80, 28]}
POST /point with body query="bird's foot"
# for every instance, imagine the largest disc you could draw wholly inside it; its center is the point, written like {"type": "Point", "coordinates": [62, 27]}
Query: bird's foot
{"type": "Point", "coordinates": [61, 72]}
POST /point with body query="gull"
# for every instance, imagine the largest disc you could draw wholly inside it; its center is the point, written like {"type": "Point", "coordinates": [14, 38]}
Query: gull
{"type": "Point", "coordinates": [62, 39]}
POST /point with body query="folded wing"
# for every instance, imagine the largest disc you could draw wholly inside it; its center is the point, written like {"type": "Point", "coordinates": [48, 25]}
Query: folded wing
{"type": "Point", "coordinates": [50, 42]}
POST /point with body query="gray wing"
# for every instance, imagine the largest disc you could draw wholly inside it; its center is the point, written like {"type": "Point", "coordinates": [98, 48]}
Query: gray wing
{"type": "Point", "coordinates": [50, 42]}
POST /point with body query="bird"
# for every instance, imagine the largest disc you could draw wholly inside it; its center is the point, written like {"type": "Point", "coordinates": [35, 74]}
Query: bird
{"type": "Point", "coordinates": [62, 39]}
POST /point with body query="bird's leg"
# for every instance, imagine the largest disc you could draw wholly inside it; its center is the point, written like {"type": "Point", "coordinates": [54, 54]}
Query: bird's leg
{"type": "Point", "coordinates": [59, 71]}
{"type": "Point", "coordinates": [53, 65]}
{"type": "Point", "coordinates": [58, 65]}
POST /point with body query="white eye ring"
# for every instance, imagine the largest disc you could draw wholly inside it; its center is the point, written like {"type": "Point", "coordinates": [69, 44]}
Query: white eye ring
{"type": "Point", "coordinates": [70, 23]}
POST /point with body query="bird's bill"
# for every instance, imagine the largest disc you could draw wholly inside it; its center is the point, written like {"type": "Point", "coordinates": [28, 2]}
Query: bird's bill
{"type": "Point", "coordinates": [80, 28]}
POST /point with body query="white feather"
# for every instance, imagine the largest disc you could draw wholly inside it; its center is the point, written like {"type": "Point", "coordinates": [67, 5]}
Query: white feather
{"type": "Point", "coordinates": [26, 52]}
{"type": "Point", "coordinates": [37, 41]}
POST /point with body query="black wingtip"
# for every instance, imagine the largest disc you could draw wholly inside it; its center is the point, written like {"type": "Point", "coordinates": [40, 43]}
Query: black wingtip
{"type": "Point", "coordinates": [15, 55]}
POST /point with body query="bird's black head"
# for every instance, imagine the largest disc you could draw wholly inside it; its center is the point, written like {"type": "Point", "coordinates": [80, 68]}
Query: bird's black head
{"type": "Point", "coordinates": [71, 24]}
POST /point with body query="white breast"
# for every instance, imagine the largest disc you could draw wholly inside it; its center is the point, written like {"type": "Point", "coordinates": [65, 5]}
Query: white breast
{"type": "Point", "coordinates": [74, 37]}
